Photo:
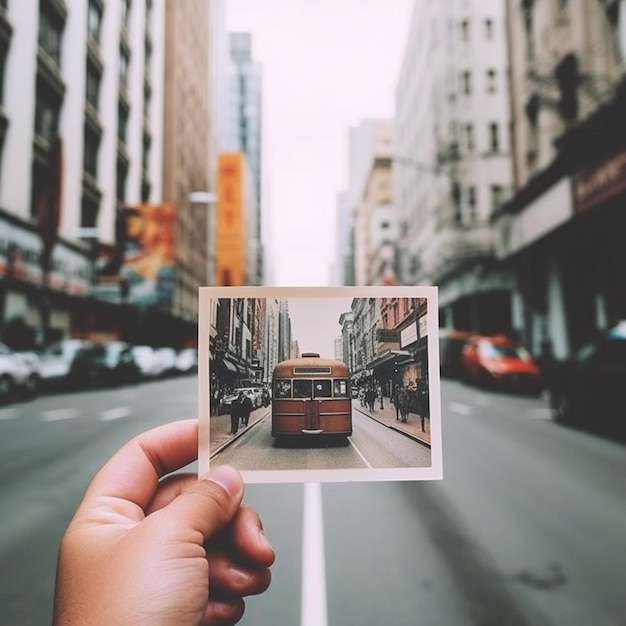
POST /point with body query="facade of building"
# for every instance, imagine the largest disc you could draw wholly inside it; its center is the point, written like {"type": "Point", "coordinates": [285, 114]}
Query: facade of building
{"type": "Point", "coordinates": [81, 103]}
{"type": "Point", "coordinates": [561, 233]}
{"type": "Point", "coordinates": [186, 146]}
{"type": "Point", "coordinates": [452, 166]}
{"type": "Point", "coordinates": [244, 133]}
{"type": "Point", "coordinates": [365, 217]}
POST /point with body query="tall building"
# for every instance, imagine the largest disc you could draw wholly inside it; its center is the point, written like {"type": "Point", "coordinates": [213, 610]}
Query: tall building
{"type": "Point", "coordinates": [81, 103]}
{"type": "Point", "coordinates": [452, 158]}
{"type": "Point", "coordinates": [186, 146]}
{"type": "Point", "coordinates": [365, 216]}
{"type": "Point", "coordinates": [245, 131]}
{"type": "Point", "coordinates": [561, 233]}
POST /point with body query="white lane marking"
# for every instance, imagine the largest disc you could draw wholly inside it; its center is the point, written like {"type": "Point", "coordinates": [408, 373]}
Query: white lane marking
{"type": "Point", "coordinates": [8, 414]}
{"type": "Point", "coordinates": [541, 413]}
{"type": "Point", "coordinates": [313, 611]}
{"type": "Point", "coordinates": [360, 454]}
{"type": "Point", "coordinates": [461, 409]}
{"type": "Point", "coordinates": [115, 414]}
{"type": "Point", "coordinates": [56, 415]}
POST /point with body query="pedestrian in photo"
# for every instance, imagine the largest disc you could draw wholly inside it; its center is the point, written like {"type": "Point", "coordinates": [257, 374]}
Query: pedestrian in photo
{"type": "Point", "coordinates": [235, 413]}
{"type": "Point", "coordinates": [370, 398]}
{"type": "Point", "coordinates": [245, 408]}
{"type": "Point", "coordinates": [143, 548]}
{"type": "Point", "coordinates": [380, 396]}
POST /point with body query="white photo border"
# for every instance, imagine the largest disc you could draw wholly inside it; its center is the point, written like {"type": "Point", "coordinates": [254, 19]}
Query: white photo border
{"type": "Point", "coordinates": [434, 472]}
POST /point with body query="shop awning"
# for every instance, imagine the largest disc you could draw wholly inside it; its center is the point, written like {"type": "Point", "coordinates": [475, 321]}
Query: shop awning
{"type": "Point", "coordinates": [396, 357]}
{"type": "Point", "coordinates": [230, 366]}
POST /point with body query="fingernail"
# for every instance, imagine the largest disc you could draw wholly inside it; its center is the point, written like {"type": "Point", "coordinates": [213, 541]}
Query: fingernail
{"type": "Point", "coordinates": [227, 477]}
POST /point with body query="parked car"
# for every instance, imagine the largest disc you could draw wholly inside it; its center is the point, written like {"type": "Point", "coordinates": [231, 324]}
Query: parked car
{"type": "Point", "coordinates": [588, 389]}
{"type": "Point", "coordinates": [146, 361]}
{"type": "Point", "coordinates": [166, 361]}
{"type": "Point", "coordinates": [105, 364]}
{"type": "Point", "coordinates": [500, 363]}
{"type": "Point", "coordinates": [18, 375]}
{"type": "Point", "coordinates": [187, 361]}
{"type": "Point", "coordinates": [451, 344]}
{"type": "Point", "coordinates": [253, 392]}
{"type": "Point", "coordinates": [56, 361]}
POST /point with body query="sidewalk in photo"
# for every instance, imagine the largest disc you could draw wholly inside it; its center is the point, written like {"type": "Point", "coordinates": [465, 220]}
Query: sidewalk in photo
{"type": "Point", "coordinates": [387, 416]}
{"type": "Point", "coordinates": [220, 435]}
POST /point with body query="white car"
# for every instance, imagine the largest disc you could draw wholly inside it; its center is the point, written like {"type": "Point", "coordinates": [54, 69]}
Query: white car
{"type": "Point", "coordinates": [146, 361]}
{"type": "Point", "coordinates": [18, 374]}
{"type": "Point", "coordinates": [253, 392]}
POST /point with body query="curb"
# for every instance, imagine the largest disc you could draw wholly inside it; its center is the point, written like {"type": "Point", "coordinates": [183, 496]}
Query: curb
{"type": "Point", "coordinates": [240, 432]}
{"type": "Point", "coordinates": [398, 429]}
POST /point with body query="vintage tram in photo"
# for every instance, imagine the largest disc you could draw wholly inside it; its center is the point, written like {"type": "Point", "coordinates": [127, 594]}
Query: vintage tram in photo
{"type": "Point", "coordinates": [311, 396]}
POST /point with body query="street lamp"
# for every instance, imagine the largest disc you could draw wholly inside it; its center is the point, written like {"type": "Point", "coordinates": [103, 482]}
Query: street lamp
{"type": "Point", "coordinates": [210, 199]}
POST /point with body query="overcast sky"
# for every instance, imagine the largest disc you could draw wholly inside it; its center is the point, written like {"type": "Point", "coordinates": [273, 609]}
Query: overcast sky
{"type": "Point", "coordinates": [315, 323]}
{"type": "Point", "coordinates": [327, 65]}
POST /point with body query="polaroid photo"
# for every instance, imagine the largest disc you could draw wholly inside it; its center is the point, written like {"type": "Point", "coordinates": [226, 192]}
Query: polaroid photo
{"type": "Point", "coordinates": [320, 384]}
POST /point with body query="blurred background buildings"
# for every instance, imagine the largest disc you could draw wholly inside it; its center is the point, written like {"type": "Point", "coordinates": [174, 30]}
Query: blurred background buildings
{"type": "Point", "coordinates": [500, 178]}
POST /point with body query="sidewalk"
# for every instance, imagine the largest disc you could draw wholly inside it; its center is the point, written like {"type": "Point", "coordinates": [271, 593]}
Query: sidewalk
{"type": "Point", "coordinates": [387, 417]}
{"type": "Point", "coordinates": [220, 435]}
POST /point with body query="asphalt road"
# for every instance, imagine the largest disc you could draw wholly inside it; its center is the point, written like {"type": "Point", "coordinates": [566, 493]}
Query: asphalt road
{"type": "Point", "coordinates": [527, 527]}
{"type": "Point", "coordinates": [371, 446]}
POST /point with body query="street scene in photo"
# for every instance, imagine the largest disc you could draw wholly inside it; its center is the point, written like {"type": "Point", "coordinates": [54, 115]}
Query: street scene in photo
{"type": "Point", "coordinates": [317, 384]}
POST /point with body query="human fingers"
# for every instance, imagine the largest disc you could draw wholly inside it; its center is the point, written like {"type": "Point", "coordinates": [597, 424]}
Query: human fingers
{"type": "Point", "coordinates": [170, 488]}
{"type": "Point", "coordinates": [223, 612]}
{"type": "Point", "coordinates": [132, 474]}
{"type": "Point", "coordinates": [248, 538]}
{"type": "Point", "coordinates": [229, 578]}
{"type": "Point", "coordinates": [210, 504]}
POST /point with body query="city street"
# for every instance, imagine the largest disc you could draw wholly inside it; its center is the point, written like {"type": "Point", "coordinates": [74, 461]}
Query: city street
{"type": "Point", "coordinates": [371, 446]}
{"type": "Point", "coordinates": [525, 529]}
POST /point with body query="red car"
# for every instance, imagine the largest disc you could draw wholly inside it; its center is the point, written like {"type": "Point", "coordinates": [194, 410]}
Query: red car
{"type": "Point", "coordinates": [499, 362]}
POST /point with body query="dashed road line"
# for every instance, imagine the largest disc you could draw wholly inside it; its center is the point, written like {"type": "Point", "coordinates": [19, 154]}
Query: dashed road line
{"type": "Point", "coordinates": [461, 409]}
{"type": "Point", "coordinates": [115, 414]}
{"type": "Point", "coordinates": [55, 415]}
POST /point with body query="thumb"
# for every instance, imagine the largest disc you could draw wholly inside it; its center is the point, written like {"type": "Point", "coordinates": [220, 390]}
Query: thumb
{"type": "Point", "coordinates": [211, 503]}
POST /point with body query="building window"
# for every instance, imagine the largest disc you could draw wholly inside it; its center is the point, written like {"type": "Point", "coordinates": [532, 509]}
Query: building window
{"type": "Point", "coordinates": [145, 155]}
{"type": "Point", "coordinates": [497, 197]}
{"type": "Point", "coordinates": [489, 29]}
{"type": "Point", "coordinates": [47, 112]}
{"type": "Point", "coordinates": [90, 154]}
{"type": "Point", "coordinates": [494, 137]}
{"type": "Point", "coordinates": [122, 122]}
{"type": "Point", "coordinates": [465, 30]}
{"type": "Point", "coordinates": [50, 34]}
{"type": "Point", "coordinates": [491, 81]}
{"type": "Point", "coordinates": [124, 63]}
{"type": "Point", "coordinates": [3, 57]}
{"type": "Point", "coordinates": [88, 213]}
{"type": "Point", "coordinates": [466, 82]}
{"type": "Point", "coordinates": [94, 20]}
{"type": "Point", "coordinates": [122, 175]}
{"type": "Point", "coordinates": [93, 84]}
{"type": "Point", "coordinates": [125, 12]}
{"type": "Point", "coordinates": [471, 204]}
{"type": "Point", "coordinates": [469, 137]}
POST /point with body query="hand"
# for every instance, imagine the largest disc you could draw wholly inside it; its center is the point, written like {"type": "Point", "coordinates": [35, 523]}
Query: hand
{"type": "Point", "coordinates": [177, 551]}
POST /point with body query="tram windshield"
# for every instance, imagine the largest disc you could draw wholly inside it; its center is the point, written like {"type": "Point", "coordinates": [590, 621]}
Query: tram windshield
{"type": "Point", "coordinates": [306, 388]}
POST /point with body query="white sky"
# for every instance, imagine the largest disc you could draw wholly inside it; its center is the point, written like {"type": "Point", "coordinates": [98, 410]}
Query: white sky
{"type": "Point", "coordinates": [315, 323]}
{"type": "Point", "coordinates": [327, 65]}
